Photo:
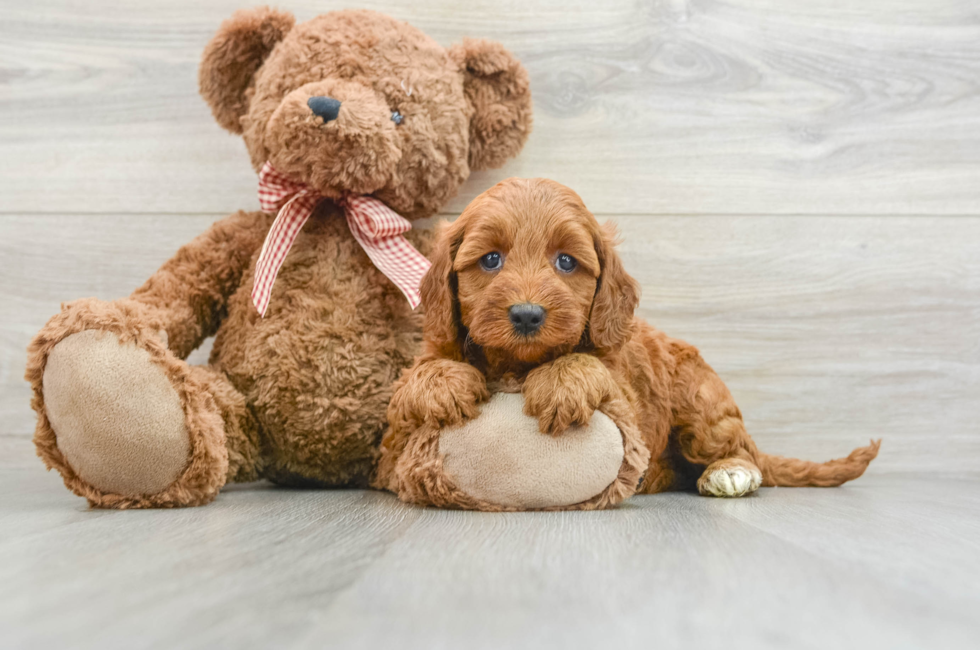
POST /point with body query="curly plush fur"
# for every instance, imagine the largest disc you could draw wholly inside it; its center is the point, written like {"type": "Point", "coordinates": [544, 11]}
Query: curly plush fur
{"type": "Point", "coordinates": [299, 396]}
{"type": "Point", "coordinates": [589, 352]}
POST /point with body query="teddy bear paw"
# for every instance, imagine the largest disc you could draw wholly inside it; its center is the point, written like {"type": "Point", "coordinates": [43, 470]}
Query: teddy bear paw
{"type": "Point", "coordinates": [118, 420]}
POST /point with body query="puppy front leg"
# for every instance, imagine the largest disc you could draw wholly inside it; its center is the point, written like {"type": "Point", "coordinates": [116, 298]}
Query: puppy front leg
{"type": "Point", "coordinates": [567, 391]}
{"type": "Point", "coordinates": [432, 394]}
{"type": "Point", "coordinates": [441, 392]}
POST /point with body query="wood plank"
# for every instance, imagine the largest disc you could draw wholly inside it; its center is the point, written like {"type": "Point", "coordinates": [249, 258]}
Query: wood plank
{"type": "Point", "coordinates": [887, 562]}
{"type": "Point", "coordinates": [829, 330]}
{"type": "Point", "coordinates": [676, 107]}
{"type": "Point", "coordinates": [612, 579]}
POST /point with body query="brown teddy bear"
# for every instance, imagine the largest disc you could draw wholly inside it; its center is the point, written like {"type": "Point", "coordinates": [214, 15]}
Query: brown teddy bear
{"type": "Point", "coordinates": [349, 107]}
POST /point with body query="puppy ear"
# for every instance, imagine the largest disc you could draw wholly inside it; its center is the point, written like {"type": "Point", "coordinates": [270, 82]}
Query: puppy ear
{"type": "Point", "coordinates": [499, 95]}
{"type": "Point", "coordinates": [234, 55]}
{"type": "Point", "coordinates": [442, 327]}
{"type": "Point", "coordinates": [617, 295]}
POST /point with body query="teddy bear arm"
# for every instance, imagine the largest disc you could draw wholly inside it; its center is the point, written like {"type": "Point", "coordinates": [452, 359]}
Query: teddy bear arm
{"type": "Point", "coordinates": [189, 293]}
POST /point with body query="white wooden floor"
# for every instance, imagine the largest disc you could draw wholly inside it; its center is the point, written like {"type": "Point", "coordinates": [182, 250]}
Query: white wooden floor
{"type": "Point", "coordinates": [888, 562]}
{"type": "Point", "coordinates": [798, 185]}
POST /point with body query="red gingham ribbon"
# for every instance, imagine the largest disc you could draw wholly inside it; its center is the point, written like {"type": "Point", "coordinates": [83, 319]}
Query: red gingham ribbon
{"type": "Point", "coordinates": [375, 226]}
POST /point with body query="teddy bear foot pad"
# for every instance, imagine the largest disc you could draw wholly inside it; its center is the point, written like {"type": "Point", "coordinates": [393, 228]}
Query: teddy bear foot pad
{"type": "Point", "coordinates": [117, 439]}
{"type": "Point", "coordinates": [502, 458]}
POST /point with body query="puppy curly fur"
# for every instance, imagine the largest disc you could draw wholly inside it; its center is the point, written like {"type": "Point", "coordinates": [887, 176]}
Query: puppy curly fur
{"type": "Point", "coordinates": [589, 352]}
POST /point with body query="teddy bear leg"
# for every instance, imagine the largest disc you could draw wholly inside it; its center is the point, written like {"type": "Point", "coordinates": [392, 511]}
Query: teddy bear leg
{"type": "Point", "coordinates": [501, 461]}
{"type": "Point", "coordinates": [245, 462]}
{"type": "Point", "coordinates": [125, 422]}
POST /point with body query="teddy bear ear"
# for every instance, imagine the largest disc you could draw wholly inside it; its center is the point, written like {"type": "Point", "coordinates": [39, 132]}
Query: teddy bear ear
{"type": "Point", "coordinates": [233, 56]}
{"type": "Point", "coordinates": [499, 95]}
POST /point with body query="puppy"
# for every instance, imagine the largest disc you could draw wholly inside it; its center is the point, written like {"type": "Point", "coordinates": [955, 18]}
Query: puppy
{"type": "Point", "coordinates": [526, 289]}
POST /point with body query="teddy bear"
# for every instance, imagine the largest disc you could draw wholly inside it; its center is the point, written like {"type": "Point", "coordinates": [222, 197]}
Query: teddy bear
{"type": "Point", "coordinates": [358, 125]}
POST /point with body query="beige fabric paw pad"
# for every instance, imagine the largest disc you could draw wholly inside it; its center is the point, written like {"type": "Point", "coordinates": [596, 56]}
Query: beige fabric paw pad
{"type": "Point", "coordinates": [501, 457]}
{"type": "Point", "coordinates": [117, 418]}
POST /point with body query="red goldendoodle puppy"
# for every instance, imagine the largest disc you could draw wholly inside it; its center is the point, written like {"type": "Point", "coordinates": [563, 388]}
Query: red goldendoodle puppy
{"type": "Point", "coordinates": [526, 286]}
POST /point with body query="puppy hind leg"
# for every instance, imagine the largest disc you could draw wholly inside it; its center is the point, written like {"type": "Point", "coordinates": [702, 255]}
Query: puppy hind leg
{"type": "Point", "coordinates": [735, 473]}
{"type": "Point", "coordinates": [711, 434]}
{"type": "Point", "coordinates": [730, 477]}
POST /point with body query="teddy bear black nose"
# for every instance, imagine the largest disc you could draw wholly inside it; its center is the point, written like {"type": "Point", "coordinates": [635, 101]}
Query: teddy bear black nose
{"type": "Point", "coordinates": [326, 107]}
{"type": "Point", "coordinates": [526, 317]}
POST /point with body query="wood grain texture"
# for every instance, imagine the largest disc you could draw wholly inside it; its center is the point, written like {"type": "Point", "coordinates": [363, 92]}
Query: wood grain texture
{"type": "Point", "coordinates": [829, 330]}
{"type": "Point", "coordinates": [890, 561]}
{"type": "Point", "coordinates": [644, 107]}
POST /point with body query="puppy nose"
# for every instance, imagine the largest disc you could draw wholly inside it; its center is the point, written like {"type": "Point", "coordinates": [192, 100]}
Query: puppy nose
{"type": "Point", "coordinates": [326, 107]}
{"type": "Point", "coordinates": [527, 317]}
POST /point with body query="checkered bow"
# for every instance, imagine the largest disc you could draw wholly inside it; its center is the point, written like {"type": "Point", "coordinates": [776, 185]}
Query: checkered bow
{"type": "Point", "coordinates": [375, 226]}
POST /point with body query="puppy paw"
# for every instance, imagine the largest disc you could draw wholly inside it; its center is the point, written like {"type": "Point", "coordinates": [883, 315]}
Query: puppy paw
{"type": "Point", "coordinates": [729, 478]}
{"type": "Point", "coordinates": [560, 409]}
{"type": "Point", "coordinates": [566, 392]}
{"type": "Point", "coordinates": [440, 392]}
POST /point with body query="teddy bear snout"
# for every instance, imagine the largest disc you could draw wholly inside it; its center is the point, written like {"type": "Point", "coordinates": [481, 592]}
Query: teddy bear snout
{"type": "Point", "coordinates": [336, 135]}
{"type": "Point", "coordinates": [327, 108]}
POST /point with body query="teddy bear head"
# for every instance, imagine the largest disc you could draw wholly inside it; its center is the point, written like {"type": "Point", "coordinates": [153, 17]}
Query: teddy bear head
{"type": "Point", "coordinates": [356, 102]}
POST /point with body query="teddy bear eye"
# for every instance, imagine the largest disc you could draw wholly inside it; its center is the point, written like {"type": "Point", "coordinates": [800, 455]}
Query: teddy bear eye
{"type": "Point", "coordinates": [491, 261]}
{"type": "Point", "coordinates": [397, 117]}
{"type": "Point", "coordinates": [566, 263]}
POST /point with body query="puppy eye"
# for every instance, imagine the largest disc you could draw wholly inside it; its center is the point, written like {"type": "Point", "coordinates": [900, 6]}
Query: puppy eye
{"type": "Point", "coordinates": [397, 118]}
{"type": "Point", "coordinates": [565, 263]}
{"type": "Point", "coordinates": [491, 261]}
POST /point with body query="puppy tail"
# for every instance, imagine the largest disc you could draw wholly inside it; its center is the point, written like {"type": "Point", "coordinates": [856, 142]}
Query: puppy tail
{"type": "Point", "coordinates": [791, 472]}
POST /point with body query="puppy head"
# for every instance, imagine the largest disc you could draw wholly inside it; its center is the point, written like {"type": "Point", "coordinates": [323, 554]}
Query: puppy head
{"type": "Point", "coordinates": [527, 271]}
